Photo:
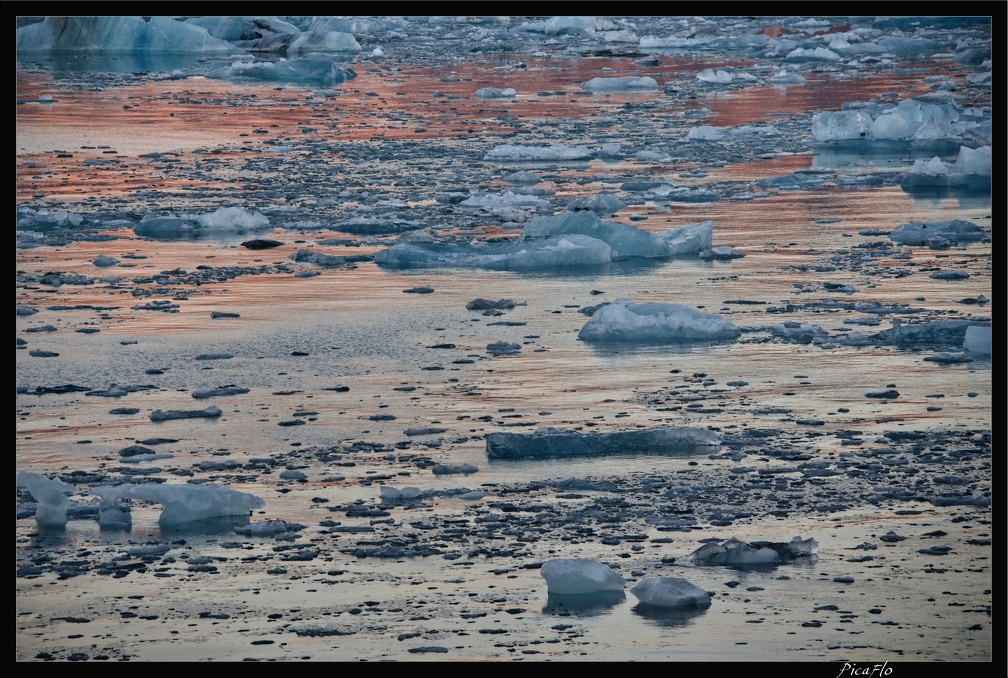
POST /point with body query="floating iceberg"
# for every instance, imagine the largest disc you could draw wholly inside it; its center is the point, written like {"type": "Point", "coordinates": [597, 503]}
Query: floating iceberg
{"type": "Point", "coordinates": [555, 442]}
{"type": "Point", "coordinates": [315, 69]}
{"type": "Point", "coordinates": [255, 33]}
{"type": "Point", "coordinates": [621, 84]}
{"type": "Point", "coordinates": [978, 340]}
{"type": "Point", "coordinates": [118, 35]}
{"type": "Point", "coordinates": [222, 220]}
{"type": "Point", "coordinates": [561, 252]}
{"type": "Point", "coordinates": [509, 206]}
{"type": "Point", "coordinates": [568, 240]}
{"type": "Point", "coordinates": [711, 133]}
{"type": "Point", "coordinates": [784, 77]}
{"type": "Point", "coordinates": [715, 76]}
{"type": "Point", "coordinates": [737, 553]}
{"type": "Point", "coordinates": [579, 576]}
{"type": "Point", "coordinates": [954, 230]}
{"type": "Point", "coordinates": [840, 125]}
{"type": "Point", "coordinates": [495, 93]}
{"type": "Point", "coordinates": [508, 152]}
{"type": "Point", "coordinates": [625, 321]}
{"type": "Point", "coordinates": [181, 504]}
{"type": "Point", "coordinates": [817, 54]}
{"type": "Point", "coordinates": [627, 242]}
{"type": "Point", "coordinates": [322, 41]}
{"type": "Point", "coordinates": [937, 332]}
{"type": "Point", "coordinates": [602, 203]}
{"type": "Point", "coordinates": [673, 592]}
{"type": "Point", "coordinates": [972, 169]}
{"type": "Point", "coordinates": [52, 496]}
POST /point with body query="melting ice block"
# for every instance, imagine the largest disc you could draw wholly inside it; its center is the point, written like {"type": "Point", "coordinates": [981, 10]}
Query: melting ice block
{"type": "Point", "coordinates": [737, 553]}
{"type": "Point", "coordinates": [674, 592]}
{"type": "Point", "coordinates": [52, 495]}
{"type": "Point", "coordinates": [625, 321]}
{"type": "Point", "coordinates": [555, 442]}
{"type": "Point", "coordinates": [570, 239]}
{"type": "Point", "coordinates": [182, 503]}
{"type": "Point", "coordinates": [955, 230]}
{"type": "Point", "coordinates": [840, 125]}
{"type": "Point", "coordinates": [580, 576]}
{"type": "Point", "coordinates": [978, 340]}
{"type": "Point", "coordinates": [118, 35]}
{"type": "Point", "coordinates": [621, 84]}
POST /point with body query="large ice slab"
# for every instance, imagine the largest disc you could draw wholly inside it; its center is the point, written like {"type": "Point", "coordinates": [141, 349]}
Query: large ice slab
{"type": "Point", "coordinates": [671, 592]}
{"type": "Point", "coordinates": [554, 442]}
{"type": "Point", "coordinates": [221, 220]}
{"type": "Point", "coordinates": [953, 230]}
{"type": "Point", "coordinates": [182, 504]}
{"type": "Point", "coordinates": [512, 152]}
{"type": "Point", "coordinates": [978, 340]}
{"type": "Point", "coordinates": [627, 242]}
{"type": "Point", "coordinates": [579, 576]}
{"type": "Point", "coordinates": [627, 83]}
{"type": "Point", "coordinates": [571, 239]}
{"type": "Point", "coordinates": [625, 321]}
{"type": "Point", "coordinates": [118, 35]}
{"type": "Point", "coordinates": [972, 169]}
{"type": "Point", "coordinates": [315, 69]}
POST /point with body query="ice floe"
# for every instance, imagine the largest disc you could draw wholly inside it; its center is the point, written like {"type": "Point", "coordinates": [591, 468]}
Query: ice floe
{"type": "Point", "coordinates": [671, 592]}
{"type": "Point", "coordinates": [665, 323]}
{"type": "Point", "coordinates": [571, 239]}
{"type": "Point", "coordinates": [621, 84]}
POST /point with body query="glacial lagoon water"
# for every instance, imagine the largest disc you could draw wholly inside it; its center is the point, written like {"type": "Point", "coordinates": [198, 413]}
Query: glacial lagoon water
{"type": "Point", "coordinates": [825, 434]}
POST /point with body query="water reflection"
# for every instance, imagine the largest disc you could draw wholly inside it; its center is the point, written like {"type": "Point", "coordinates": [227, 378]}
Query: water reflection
{"type": "Point", "coordinates": [881, 154]}
{"type": "Point", "coordinates": [667, 616]}
{"type": "Point", "coordinates": [585, 604]}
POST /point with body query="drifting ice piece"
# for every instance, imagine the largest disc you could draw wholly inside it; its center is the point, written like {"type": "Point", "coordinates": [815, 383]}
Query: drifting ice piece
{"type": "Point", "coordinates": [579, 576]}
{"type": "Point", "coordinates": [737, 553]}
{"type": "Point", "coordinates": [182, 503]}
{"type": "Point", "coordinates": [553, 442]}
{"type": "Point", "coordinates": [622, 84]}
{"type": "Point", "coordinates": [624, 321]}
{"type": "Point", "coordinates": [956, 230]}
{"type": "Point", "coordinates": [840, 125]}
{"type": "Point", "coordinates": [51, 495]}
{"type": "Point", "coordinates": [674, 592]}
{"type": "Point", "coordinates": [978, 340]}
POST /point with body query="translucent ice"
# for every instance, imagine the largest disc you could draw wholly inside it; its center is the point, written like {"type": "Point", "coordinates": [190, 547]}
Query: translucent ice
{"type": "Point", "coordinates": [840, 125]}
{"type": "Point", "coordinates": [674, 592]}
{"type": "Point", "coordinates": [578, 576]}
{"type": "Point", "coordinates": [955, 230]}
{"type": "Point", "coordinates": [120, 35]}
{"type": "Point", "coordinates": [621, 84]}
{"type": "Point", "coordinates": [183, 503]}
{"type": "Point", "coordinates": [978, 340]}
{"type": "Point", "coordinates": [666, 323]}
{"type": "Point", "coordinates": [52, 495]}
